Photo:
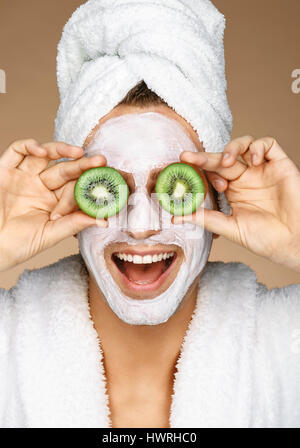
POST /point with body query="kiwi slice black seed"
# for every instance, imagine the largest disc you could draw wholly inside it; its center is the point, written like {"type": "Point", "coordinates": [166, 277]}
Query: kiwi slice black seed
{"type": "Point", "coordinates": [180, 189]}
{"type": "Point", "coordinates": [101, 192]}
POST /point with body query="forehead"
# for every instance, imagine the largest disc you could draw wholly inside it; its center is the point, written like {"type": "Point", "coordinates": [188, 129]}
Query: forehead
{"type": "Point", "coordinates": [140, 142]}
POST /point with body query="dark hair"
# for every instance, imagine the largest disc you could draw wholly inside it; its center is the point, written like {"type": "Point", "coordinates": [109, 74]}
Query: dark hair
{"type": "Point", "coordinates": [141, 96]}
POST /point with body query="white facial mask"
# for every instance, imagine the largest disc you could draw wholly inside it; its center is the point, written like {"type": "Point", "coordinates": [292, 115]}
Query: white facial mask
{"type": "Point", "coordinates": [137, 144]}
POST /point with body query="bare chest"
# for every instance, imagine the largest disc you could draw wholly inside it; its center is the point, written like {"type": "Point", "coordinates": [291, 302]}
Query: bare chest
{"type": "Point", "coordinates": [135, 410]}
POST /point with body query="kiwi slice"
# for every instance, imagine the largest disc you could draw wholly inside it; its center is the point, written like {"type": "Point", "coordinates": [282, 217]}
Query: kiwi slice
{"type": "Point", "coordinates": [180, 189]}
{"type": "Point", "coordinates": [101, 192]}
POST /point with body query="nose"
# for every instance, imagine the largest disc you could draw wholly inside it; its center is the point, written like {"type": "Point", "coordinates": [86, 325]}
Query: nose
{"type": "Point", "coordinates": [143, 218]}
{"type": "Point", "coordinates": [143, 235]}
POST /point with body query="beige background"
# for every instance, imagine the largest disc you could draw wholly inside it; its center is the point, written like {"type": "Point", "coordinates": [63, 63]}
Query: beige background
{"type": "Point", "coordinates": [262, 49]}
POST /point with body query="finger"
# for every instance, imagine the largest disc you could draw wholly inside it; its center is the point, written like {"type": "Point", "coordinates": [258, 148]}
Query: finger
{"type": "Point", "coordinates": [217, 181]}
{"type": "Point", "coordinates": [66, 203]}
{"type": "Point", "coordinates": [70, 225]}
{"type": "Point", "coordinates": [247, 158]}
{"type": "Point", "coordinates": [33, 165]}
{"type": "Point", "coordinates": [267, 148]}
{"type": "Point", "coordinates": [57, 150]}
{"type": "Point", "coordinates": [236, 148]}
{"type": "Point", "coordinates": [54, 151]}
{"type": "Point", "coordinates": [256, 154]}
{"type": "Point", "coordinates": [58, 175]}
{"type": "Point", "coordinates": [213, 162]}
{"type": "Point", "coordinates": [211, 220]}
{"type": "Point", "coordinates": [18, 150]}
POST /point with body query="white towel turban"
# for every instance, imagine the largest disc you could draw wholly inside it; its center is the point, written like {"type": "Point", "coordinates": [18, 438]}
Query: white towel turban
{"type": "Point", "coordinates": [175, 46]}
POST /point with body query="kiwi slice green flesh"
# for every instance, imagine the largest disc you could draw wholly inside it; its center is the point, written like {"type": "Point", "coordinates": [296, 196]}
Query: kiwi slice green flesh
{"type": "Point", "coordinates": [180, 189]}
{"type": "Point", "coordinates": [101, 192]}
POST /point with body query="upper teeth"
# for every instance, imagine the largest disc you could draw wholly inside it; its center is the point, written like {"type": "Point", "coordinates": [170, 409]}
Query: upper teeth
{"type": "Point", "coordinates": [146, 259]}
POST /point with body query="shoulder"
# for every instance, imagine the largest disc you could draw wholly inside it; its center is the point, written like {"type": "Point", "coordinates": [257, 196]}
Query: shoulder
{"type": "Point", "coordinates": [230, 282]}
{"type": "Point", "coordinates": [227, 296]}
{"type": "Point", "coordinates": [279, 317]}
{"type": "Point", "coordinates": [239, 280]}
{"type": "Point", "coordinates": [65, 270]}
{"type": "Point", "coordinates": [234, 270]}
{"type": "Point", "coordinates": [38, 291]}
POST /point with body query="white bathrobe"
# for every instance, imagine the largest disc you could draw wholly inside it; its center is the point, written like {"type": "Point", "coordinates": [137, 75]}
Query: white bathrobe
{"type": "Point", "coordinates": [239, 364]}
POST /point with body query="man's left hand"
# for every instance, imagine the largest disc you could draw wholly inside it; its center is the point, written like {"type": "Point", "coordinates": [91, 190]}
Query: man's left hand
{"type": "Point", "coordinates": [262, 186]}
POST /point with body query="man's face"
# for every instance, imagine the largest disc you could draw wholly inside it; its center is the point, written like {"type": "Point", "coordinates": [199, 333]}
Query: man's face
{"type": "Point", "coordinates": [142, 256]}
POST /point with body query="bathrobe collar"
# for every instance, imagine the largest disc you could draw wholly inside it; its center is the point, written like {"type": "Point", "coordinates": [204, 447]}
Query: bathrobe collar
{"type": "Point", "coordinates": [59, 360]}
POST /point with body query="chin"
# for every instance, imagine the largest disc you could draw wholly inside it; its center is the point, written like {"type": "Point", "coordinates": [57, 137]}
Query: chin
{"type": "Point", "coordinates": [142, 271]}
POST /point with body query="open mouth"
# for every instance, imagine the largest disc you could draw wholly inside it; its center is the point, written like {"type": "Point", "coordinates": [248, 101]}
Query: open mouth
{"type": "Point", "coordinates": [144, 272]}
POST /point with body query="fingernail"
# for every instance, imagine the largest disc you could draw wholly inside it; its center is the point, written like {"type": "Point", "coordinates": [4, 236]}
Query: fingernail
{"type": "Point", "coordinates": [227, 159]}
{"type": "Point", "coordinates": [218, 183]}
{"type": "Point", "coordinates": [226, 156]}
{"type": "Point", "coordinates": [254, 158]}
{"type": "Point", "coordinates": [55, 217]}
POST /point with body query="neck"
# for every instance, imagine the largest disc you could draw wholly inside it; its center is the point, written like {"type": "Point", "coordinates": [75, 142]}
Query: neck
{"type": "Point", "coordinates": [135, 351]}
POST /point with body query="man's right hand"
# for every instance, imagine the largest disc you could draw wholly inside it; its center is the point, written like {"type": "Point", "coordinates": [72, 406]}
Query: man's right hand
{"type": "Point", "coordinates": [37, 205]}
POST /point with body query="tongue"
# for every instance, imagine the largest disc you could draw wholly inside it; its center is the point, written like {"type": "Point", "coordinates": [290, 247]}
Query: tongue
{"type": "Point", "coordinates": [144, 273]}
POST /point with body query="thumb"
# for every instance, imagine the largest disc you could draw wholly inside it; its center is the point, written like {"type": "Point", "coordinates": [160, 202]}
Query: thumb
{"type": "Point", "coordinates": [70, 225]}
{"type": "Point", "coordinates": [211, 220]}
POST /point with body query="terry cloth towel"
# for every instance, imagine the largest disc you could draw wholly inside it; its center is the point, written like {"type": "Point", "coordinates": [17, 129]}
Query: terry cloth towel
{"type": "Point", "coordinates": [175, 46]}
{"type": "Point", "coordinates": [239, 364]}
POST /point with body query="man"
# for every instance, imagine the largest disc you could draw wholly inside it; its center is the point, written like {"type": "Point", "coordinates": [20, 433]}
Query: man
{"type": "Point", "coordinates": [224, 353]}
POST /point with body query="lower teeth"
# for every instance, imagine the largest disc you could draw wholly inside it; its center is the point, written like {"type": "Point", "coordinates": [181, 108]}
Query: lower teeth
{"type": "Point", "coordinates": [139, 282]}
